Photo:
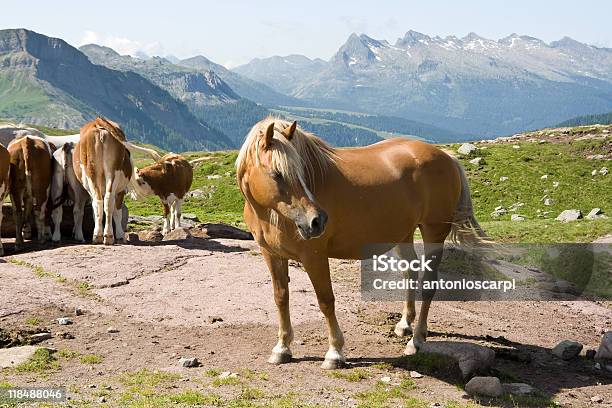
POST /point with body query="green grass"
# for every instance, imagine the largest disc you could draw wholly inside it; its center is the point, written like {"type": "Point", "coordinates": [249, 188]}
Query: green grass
{"type": "Point", "coordinates": [353, 375]}
{"type": "Point", "coordinates": [148, 378]}
{"type": "Point", "coordinates": [33, 321]}
{"type": "Point", "coordinates": [91, 359]}
{"type": "Point", "coordinates": [42, 360]}
{"type": "Point", "coordinates": [219, 382]}
{"type": "Point", "coordinates": [384, 395]}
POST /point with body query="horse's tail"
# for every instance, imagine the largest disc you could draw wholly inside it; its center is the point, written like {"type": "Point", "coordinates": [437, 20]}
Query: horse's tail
{"type": "Point", "coordinates": [465, 228]}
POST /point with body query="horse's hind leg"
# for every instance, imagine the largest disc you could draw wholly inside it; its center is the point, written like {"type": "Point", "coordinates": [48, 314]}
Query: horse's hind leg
{"type": "Point", "coordinates": [317, 268]}
{"type": "Point", "coordinates": [404, 326]}
{"type": "Point", "coordinates": [279, 269]}
{"type": "Point", "coordinates": [433, 237]}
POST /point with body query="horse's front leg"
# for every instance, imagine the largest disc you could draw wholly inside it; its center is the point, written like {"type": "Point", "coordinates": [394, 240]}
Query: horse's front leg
{"type": "Point", "coordinates": [317, 268]}
{"type": "Point", "coordinates": [279, 269]}
{"type": "Point", "coordinates": [433, 251]}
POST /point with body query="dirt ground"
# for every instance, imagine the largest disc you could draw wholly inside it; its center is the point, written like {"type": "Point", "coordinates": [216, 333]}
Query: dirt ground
{"type": "Point", "coordinates": [212, 299]}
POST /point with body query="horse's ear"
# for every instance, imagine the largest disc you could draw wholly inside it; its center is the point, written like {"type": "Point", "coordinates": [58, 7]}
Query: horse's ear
{"type": "Point", "coordinates": [268, 136]}
{"type": "Point", "coordinates": [289, 130]}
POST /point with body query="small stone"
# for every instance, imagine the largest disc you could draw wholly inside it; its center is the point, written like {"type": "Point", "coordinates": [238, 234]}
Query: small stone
{"type": "Point", "coordinates": [544, 177]}
{"type": "Point", "coordinates": [604, 352]}
{"type": "Point", "coordinates": [594, 173]}
{"type": "Point", "coordinates": [64, 321]}
{"type": "Point", "coordinates": [466, 148]}
{"type": "Point", "coordinates": [486, 386]}
{"type": "Point", "coordinates": [215, 319]}
{"type": "Point", "coordinates": [132, 237]}
{"type": "Point", "coordinates": [603, 171]}
{"type": "Point", "coordinates": [64, 335]}
{"type": "Point", "coordinates": [597, 399]}
{"type": "Point", "coordinates": [189, 362]}
{"type": "Point", "coordinates": [102, 400]}
{"type": "Point", "coordinates": [92, 385]}
{"type": "Point", "coordinates": [415, 374]}
{"type": "Point", "coordinates": [503, 178]}
{"type": "Point", "coordinates": [569, 215]}
{"type": "Point", "coordinates": [191, 217]}
{"type": "Point", "coordinates": [214, 177]}
{"type": "Point", "coordinates": [594, 214]}
{"type": "Point", "coordinates": [228, 374]}
{"type": "Point", "coordinates": [108, 387]}
{"type": "Point", "coordinates": [78, 311]}
{"type": "Point", "coordinates": [178, 234]}
{"type": "Point", "coordinates": [590, 354]}
{"type": "Point", "coordinates": [555, 184]}
{"type": "Point", "coordinates": [567, 349]}
{"type": "Point", "coordinates": [548, 201]}
{"type": "Point", "coordinates": [516, 217]}
{"type": "Point", "coordinates": [112, 330]}
{"type": "Point", "coordinates": [516, 147]}
{"type": "Point", "coordinates": [38, 337]}
{"type": "Point", "coordinates": [385, 379]}
{"type": "Point", "coordinates": [476, 161]}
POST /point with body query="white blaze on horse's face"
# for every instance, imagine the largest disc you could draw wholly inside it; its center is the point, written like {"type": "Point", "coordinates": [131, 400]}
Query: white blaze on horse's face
{"type": "Point", "coordinates": [274, 187]}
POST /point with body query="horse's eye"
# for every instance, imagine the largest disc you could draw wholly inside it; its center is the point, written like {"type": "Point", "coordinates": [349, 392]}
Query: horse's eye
{"type": "Point", "coordinates": [277, 176]}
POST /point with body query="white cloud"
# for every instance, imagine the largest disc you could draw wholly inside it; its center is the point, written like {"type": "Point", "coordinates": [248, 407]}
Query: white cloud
{"type": "Point", "coordinates": [122, 45]}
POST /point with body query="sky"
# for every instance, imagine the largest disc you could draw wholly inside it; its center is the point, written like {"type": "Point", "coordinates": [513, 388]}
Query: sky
{"type": "Point", "coordinates": [233, 32]}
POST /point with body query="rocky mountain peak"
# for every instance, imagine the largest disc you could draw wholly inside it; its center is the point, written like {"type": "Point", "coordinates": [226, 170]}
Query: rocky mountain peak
{"type": "Point", "coordinates": [412, 38]}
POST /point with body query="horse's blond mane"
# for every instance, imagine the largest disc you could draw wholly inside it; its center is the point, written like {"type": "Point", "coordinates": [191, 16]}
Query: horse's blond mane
{"type": "Point", "coordinates": [298, 160]}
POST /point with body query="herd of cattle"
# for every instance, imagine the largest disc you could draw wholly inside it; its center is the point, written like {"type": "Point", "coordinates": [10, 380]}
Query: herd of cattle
{"type": "Point", "coordinates": [42, 172]}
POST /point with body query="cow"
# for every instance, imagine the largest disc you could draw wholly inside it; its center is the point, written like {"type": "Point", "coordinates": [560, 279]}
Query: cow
{"type": "Point", "coordinates": [30, 181]}
{"type": "Point", "coordinates": [5, 165]}
{"type": "Point", "coordinates": [103, 166]}
{"type": "Point", "coordinates": [170, 179]}
{"type": "Point", "coordinates": [65, 185]}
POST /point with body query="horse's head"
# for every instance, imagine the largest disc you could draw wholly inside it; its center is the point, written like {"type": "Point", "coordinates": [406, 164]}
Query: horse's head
{"type": "Point", "coordinates": [271, 175]}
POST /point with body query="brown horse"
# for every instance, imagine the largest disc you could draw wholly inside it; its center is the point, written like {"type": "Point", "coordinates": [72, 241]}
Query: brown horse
{"type": "Point", "coordinates": [307, 201]}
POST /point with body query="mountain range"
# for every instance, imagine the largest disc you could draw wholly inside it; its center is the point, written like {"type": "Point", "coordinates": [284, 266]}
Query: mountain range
{"type": "Point", "coordinates": [470, 84]}
{"type": "Point", "coordinates": [438, 89]}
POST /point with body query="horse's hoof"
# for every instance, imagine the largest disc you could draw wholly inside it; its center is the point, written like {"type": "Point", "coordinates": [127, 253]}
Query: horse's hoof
{"type": "Point", "coordinates": [331, 364]}
{"type": "Point", "coordinates": [97, 240]}
{"type": "Point", "coordinates": [109, 240]}
{"type": "Point", "coordinates": [411, 348]}
{"type": "Point", "coordinates": [402, 329]}
{"type": "Point", "coordinates": [279, 358]}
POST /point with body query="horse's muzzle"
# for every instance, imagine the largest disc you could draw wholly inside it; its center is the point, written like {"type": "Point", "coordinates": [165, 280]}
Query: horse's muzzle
{"type": "Point", "coordinates": [314, 227]}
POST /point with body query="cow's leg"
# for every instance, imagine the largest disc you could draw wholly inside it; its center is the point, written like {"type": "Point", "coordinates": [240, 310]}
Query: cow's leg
{"type": "Point", "coordinates": [109, 209]}
{"type": "Point", "coordinates": [98, 210]}
{"type": "Point", "coordinates": [178, 209]}
{"type": "Point", "coordinates": [166, 227]}
{"type": "Point", "coordinates": [118, 218]}
{"type": "Point", "coordinates": [40, 216]}
{"type": "Point", "coordinates": [56, 216]}
{"type": "Point", "coordinates": [17, 201]}
{"type": "Point", "coordinates": [281, 353]}
{"type": "Point", "coordinates": [78, 210]}
{"type": "Point", "coordinates": [404, 326]}
{"type": "Point", "coordinates": [1, 216]}
{"type": "Point", "coordinates": [27, 216]}
{"type": "Point", "coordinates": [433, 237]}
{"type": "Point", "coordinates": [317, 267]}
{"type": "Point", "coordinates": [172, 203]}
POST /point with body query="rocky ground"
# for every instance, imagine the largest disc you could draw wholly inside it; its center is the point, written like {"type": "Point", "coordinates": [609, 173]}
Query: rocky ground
{"type": "Point", "coordinates": [135, 310]}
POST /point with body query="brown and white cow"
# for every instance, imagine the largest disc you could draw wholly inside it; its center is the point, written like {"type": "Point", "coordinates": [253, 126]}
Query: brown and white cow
{"type": "Point", "coordinates": [103, 166]}
{"type": "Point", "coordinates": [170, 179]}
{"type": "Point", "coordinates": [30, 181]}
{"type": "Point", "coordinates": [5, 165]}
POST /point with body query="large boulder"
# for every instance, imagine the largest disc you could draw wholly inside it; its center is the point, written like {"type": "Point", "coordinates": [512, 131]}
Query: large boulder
{"type": "Point", "coordinates": [485, 386]}
{"type": "Point", "coordinates": [467, 148]}
{"type": "Point", "coordinates": [209, 230]}
{"type": "Point", "coordinates": [567, 349]}
{"type": "Point", "coordinates": [472, 358]}
{"type": "Point", "coordinates": [605, 347]}
{"type": "Point", "coordinates": [569, 215]}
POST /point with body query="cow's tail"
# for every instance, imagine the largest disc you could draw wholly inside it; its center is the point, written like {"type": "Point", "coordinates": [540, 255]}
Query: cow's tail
{"type": "Point", "coordinates": [66, 162]}
{"type": "Point", "coordinates": [466, 229]}
{"type": "Point", "coordinates": [132, 147]}
{"type": "Point", "coordinates": [27, 149]}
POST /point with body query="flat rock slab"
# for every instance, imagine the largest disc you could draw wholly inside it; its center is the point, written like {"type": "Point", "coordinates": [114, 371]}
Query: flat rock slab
{"type": "Point", "coordinates": [472, 358]}
{"type": "Point", "coordinates": [14, 356]}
